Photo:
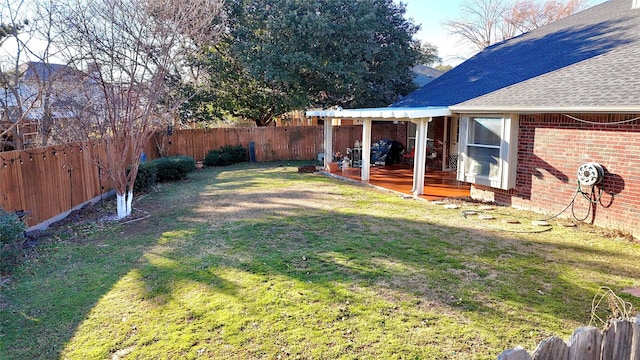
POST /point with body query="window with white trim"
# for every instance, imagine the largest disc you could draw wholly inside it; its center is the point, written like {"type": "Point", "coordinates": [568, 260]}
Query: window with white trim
{"type": "Point", "coordinates": [488, 149]}
{"type": "Point", "coordinates": [411, 137]}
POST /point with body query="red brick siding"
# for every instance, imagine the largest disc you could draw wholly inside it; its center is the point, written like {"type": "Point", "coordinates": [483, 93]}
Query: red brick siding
{"type": "Point", "coordinates": [551, 148]}
{"type": "Point", "coordinates": [402, 133]}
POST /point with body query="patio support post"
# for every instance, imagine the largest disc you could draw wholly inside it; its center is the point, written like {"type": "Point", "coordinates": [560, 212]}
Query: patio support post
{"type": "Point", "coordinates": [366, 150]}
{"type": "Point", "coordinates": [420, 156]}
{"type": "Point", "coordinates": [416, 147]}
{"type": "Point", "coordinates": [328, 143]}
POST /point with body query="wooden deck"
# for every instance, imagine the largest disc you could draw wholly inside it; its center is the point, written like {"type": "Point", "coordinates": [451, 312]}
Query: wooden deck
{"type": "Point", "coordinates": [437, 185]}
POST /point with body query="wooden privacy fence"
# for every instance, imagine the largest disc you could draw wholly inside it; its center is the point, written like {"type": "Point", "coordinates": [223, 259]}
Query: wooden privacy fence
{"type": "Point", "coordinates": [273, 143]}
{"type": "Point", "coordinates": [620, 341]}
{"type": "Point", "coordinates": [50, 181]}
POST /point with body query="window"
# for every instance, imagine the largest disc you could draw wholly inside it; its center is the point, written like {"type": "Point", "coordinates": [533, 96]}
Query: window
{"type": "Point", "coordinates": [411, 137]}
{"type": "Point", "coordinates": [488, 148]}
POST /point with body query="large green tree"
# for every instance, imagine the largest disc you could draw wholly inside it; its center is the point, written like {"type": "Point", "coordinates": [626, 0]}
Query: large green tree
{"type": "Point", "coordinates": [283, 55]}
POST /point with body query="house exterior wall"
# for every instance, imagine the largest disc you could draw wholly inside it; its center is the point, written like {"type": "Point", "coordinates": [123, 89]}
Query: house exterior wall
{"type": "Point", "coordinates": [551, 148]}
{"type": "Point", "coordinates": [402, 133]}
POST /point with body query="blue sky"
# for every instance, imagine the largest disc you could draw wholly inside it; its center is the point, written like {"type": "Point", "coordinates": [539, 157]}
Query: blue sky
{"type": "Point", "coordinates": [430, 14]}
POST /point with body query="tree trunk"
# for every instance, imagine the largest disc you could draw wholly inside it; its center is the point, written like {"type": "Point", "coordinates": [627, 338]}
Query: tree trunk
{"type": "Point", "coordinates": [124, 204]}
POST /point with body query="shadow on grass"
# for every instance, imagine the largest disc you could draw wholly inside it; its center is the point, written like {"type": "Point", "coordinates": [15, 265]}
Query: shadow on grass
{"type": "Point", "coordinates": [287, 234]}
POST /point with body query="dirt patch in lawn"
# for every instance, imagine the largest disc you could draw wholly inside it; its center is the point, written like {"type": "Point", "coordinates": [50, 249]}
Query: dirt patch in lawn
{"type": "Point", "coordinates": [80, 223]}
{"type": "Point", "coordinates": [633, 291]}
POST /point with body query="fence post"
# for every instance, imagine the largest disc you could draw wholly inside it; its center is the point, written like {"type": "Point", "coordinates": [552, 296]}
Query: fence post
{"type": "Point", "coordinates": [585, 344]}
{"type": "Point", "coordinates": [616, 340]}
{"type": "Point", "coordinates": [635, 341]}
{"type": "Point", "coordinates": [552, 348]}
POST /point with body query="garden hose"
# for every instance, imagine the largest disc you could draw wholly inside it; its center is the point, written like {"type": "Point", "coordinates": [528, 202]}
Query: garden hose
{"type": "Point", "coordinates": [588, 195]}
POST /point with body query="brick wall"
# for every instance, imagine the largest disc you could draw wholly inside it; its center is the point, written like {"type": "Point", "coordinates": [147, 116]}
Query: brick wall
{"type": "Point", "coordinates": [550, 150]}
{"type": "Point", "coordinates": [401, 133]}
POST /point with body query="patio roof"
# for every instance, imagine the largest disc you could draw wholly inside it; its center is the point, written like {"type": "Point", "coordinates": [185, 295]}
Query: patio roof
{"type": "Point", "coordinates": [386, 113]}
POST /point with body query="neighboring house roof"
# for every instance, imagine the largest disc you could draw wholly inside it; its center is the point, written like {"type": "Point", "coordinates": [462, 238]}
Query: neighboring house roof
{"type": "Point", "coordinates": [590, 60]}
{"type": "Point", "coordinates": [40, 71]}
{"type": "Point", "coordinates": [425, 74]}
{"type": "Point", "coordinates": [67, 87]}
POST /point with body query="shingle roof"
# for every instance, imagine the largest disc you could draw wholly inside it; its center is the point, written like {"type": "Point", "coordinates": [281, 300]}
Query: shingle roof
{"type": "Point", "coordinates": [425, 74]}
{"type": "Point", "coordinates": [34, 70]}
{"type": "Point", "coordinates": [590, 59]}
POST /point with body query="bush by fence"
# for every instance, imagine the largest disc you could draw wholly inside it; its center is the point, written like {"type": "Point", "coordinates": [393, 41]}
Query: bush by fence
{"type": "Point", "coordinates": [11, 237]}
{"type": "Point", "coordinates": [619, 341]}
{"type": "Point", "coordinates": [226, 155]}
{"type": "Point", "coordinates": [146, 178]}
{"type": "Point", "coordinates": [173, 168]}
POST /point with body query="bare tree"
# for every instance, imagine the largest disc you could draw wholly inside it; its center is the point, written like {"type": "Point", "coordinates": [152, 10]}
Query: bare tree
{"type": "Point", "coordinates": [134, 54]}
{"type": "Point", "coordinates": [486, 22]}
{"type": "Point", "coordinates": [54, 81]}
{"type": "Point", "coordinates": [30, 81]}
{"type": "Point", "coordinates": [479, 22]}
{"type": "Point", "coordinates": [16, 100]}
{"type": "Point", "coordinates": [526, 15]}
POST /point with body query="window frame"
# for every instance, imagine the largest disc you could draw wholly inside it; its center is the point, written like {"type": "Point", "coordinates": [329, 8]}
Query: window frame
{"type": "Point", "coordinates": [505, 178]}
{"type": "Point", "coordinates": [411, 136]}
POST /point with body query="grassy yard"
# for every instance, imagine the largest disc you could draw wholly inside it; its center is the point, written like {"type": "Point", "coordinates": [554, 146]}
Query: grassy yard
{"type": "Point", "coordinates": [260, 262]}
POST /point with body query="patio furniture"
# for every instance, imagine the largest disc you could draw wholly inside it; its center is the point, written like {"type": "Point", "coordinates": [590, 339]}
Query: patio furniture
{"type": "Point", "coordinates": [355, 156]}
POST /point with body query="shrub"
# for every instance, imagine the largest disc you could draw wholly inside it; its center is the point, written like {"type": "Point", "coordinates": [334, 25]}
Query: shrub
{"type": "Point", "coordinates": [227, 155]}
{"type": "Point", "coordinates": [238, 152]}
{"type": "Point", "coordinates": [218, 158]}
{"type": "Point", "coordinates": [174, 167]}
{"type": "Point", "coordinates": [187, 164]}
{"type": "Point", "coordinates": [11, 237]}
{"type": "Point", "coordinates": [146, 178]}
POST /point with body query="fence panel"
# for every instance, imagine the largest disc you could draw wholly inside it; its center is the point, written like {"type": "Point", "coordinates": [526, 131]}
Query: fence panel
{"type": "Point", "coordinates": [49, 181]}
{"type": "Point", "coordinates": [616, 341]}
{"type": "Point", "coordinates": [620, 341]}
{"type": "Point", "coordinates": [271, 143]}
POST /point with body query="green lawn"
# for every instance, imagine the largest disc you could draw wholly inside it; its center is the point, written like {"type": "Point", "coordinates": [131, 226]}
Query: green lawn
{"type": "Point", "coordinates": [260, 262]}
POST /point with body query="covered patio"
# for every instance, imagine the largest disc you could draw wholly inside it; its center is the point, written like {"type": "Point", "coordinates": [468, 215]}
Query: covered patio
{"type": "Point", "coordinates": [438, 185]}
{"type": "Point", "coordinates": [415, 180]}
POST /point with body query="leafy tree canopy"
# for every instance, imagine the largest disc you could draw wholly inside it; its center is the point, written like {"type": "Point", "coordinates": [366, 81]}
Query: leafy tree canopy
{"type": "Point", "coordinates": [7, 30]}
{"type": "Point", "coordinates": [10, 29]}
{"type": "Point", "coordinates": [283, 55]}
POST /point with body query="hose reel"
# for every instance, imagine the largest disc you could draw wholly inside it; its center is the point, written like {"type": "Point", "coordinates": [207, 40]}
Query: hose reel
{"type": "Point", "coordinates": [590, 174]}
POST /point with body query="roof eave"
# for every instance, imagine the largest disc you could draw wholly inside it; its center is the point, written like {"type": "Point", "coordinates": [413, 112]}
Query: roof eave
{"type": "Point", "coordinates": [388, 113]}
{"type": "Point", "coordinates": [545, 109]}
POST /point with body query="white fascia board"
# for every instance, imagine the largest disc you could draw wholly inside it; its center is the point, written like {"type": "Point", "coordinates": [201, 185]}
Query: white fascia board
{"type": "Point", "coordinates": [635, 109]}
{"type": "Point", "coordinates": [383, 113]}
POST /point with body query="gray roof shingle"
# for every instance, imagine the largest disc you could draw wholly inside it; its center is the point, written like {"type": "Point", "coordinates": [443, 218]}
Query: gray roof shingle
{"type": "Point", "coordinates": [590, 59]}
